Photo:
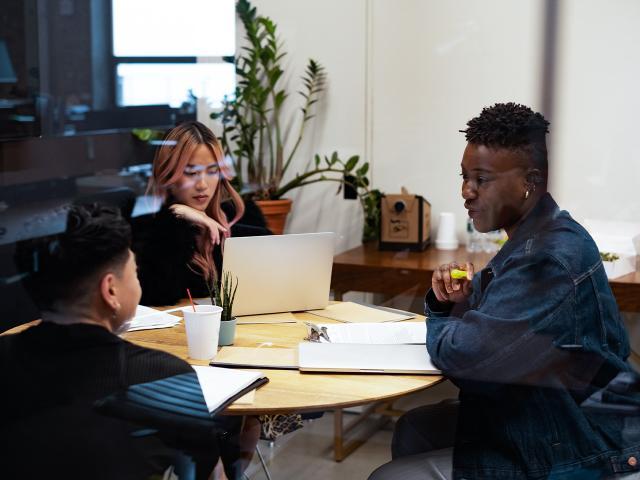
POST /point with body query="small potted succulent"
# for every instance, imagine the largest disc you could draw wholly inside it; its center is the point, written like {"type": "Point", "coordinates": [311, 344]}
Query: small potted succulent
{"type": "Point", "coordinates": [224, 295]}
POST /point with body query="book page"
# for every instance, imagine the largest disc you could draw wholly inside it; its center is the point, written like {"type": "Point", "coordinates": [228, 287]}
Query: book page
{"type": "Point", "coordinates": [220, 384]}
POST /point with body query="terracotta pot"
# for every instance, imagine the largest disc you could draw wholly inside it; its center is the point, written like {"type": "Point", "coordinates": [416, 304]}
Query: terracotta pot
{"type": "Point", "coordinates": [275, 211]}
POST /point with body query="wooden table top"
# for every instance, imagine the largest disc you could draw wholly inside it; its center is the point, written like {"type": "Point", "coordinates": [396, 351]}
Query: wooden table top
{"type": "Point", "coordinates": [367, 269]}
{"type": "Point", "coordinates": [289, 390]}
{"type": "Point", "coordinates": [428, 260]}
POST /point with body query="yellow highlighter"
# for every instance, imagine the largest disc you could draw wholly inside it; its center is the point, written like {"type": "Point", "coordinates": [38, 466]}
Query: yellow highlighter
{"type": "Point", "coordinates": [458, 274]}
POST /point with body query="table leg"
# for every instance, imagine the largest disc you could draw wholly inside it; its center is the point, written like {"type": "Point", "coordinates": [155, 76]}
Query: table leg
{"type": "Point", "coordinates": [341, 448]}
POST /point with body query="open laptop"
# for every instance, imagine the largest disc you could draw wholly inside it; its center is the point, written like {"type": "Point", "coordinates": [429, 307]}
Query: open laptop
{"type": "Point", "coordinates": [280, 273]}
{"type": "Point", "coordinates": [364, 358]}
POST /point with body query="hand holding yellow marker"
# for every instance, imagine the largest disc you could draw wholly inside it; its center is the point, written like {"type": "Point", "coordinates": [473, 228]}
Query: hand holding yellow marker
{"type": "Point", "coordinates": [458, 274]}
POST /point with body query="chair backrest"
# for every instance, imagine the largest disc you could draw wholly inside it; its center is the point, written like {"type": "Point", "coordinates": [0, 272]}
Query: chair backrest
{"type": "Point", "coordinates": [122, 197]}
{"type": "Point", "coordinates": [172, 408]}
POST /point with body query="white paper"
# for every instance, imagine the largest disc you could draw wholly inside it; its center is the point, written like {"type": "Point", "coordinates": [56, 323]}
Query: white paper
{"type": "Point", "coordinates": [147, 318]}
{"type": "Point", "coordinates": [220, 384]}
{"type": "Point", "coordinates": [335, 357]}
{"type": "Point", "coordinates": [376, 333]}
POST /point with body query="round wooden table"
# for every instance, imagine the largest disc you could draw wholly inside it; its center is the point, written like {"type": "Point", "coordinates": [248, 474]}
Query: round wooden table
{"type": "Point", "coordinates": [289, 390]}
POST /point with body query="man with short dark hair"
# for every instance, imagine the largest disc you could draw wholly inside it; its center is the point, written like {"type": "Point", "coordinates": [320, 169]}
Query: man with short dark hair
{"type": "Point", "coordinates": [84, 282]}
{"type": "Point", "coordinates": [527, 340]}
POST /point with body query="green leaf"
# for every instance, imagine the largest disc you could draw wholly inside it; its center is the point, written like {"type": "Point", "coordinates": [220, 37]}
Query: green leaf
{"type": "Point", "coordinates": [317, 159]}
{"type": "Point", "coordinates": [362, 171]}
{"type": "Point", "coordinates": [280, 98]}
{"type": "Point", "coordinates": [351, 163]}
{"type": "Point", "coordinates": [334, 158]}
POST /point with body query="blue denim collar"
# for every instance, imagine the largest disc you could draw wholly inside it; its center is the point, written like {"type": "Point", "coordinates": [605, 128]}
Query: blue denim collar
{"type": "Point", "coordinates": [545, 210]}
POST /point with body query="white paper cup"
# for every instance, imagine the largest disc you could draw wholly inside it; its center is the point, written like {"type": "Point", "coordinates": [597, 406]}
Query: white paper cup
{"type": "Point", "coordinates": [203, 328]}
{"type": "Point", "coordinates": [446, 238]}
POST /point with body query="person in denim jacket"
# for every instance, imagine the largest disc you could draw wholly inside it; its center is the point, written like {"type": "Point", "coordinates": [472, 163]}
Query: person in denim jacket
{"type": "Point", "coordinates": [526, 340]}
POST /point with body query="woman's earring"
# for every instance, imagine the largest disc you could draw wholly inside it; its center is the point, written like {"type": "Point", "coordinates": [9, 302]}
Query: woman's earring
{"type": "Point", "coordinates": [526, 194]}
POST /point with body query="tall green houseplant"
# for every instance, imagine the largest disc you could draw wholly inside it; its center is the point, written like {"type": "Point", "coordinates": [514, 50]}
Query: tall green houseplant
{"type": "Point", "coordinates": [255, 128]}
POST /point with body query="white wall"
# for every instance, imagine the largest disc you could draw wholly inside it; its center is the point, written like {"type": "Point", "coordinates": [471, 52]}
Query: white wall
{"type": "Point", "coordinates": [595, 154]}
{"type": "Point", "coordinates": [436, 64]}
{"type": "Point", "coordinates": [406, 75]}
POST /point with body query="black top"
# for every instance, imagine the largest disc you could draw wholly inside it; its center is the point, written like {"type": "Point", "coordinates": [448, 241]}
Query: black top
{"type": "Point", "coordinates": [164, 246]}
{"type": "Point", "coordinates": [51, 375]}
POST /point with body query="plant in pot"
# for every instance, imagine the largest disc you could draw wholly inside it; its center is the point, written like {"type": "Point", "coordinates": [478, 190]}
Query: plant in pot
{"type": "Point", "coordinates": [224, 295]}
{"type": "Point", "coordinates": [258, 133]}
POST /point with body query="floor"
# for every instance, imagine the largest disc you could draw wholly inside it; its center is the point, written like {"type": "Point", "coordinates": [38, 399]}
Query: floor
{"type": "Point", "coordinates": [307, 453]}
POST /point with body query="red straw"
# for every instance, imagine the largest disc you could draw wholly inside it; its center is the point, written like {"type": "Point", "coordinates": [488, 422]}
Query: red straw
{"type": "Point", "coordinates": [191, 300]}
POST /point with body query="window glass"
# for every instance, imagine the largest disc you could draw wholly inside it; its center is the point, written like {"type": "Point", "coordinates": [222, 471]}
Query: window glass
{"type": "Point", "coordinates": [170, 83]}
{"type": "Point", "coordinates": [166, 28]}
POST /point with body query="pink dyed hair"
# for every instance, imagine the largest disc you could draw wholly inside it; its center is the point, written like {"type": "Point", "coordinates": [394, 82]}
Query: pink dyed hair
{"type": "Point", "coordinates": [170, 161]}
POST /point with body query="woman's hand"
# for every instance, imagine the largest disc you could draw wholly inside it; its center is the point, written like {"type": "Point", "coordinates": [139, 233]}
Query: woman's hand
{"type": "Point", "coordinates": [214, 230]}
{"type": "Point", "coordinates": [449, 289]}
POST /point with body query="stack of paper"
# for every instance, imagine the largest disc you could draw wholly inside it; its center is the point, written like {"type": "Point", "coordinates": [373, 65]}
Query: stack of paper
{"type": "Point", "coordinates": [222, 386]}
{"type": "Point", "coordinates": [148, 318]}
{"type": "Point", "coordinates": [359, 358]}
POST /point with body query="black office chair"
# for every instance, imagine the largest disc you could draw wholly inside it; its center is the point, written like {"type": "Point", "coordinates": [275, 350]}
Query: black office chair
{"type": "Point", "coordinates": [174, 410]}
{"type": "Point", "coordinates": [123, 198]}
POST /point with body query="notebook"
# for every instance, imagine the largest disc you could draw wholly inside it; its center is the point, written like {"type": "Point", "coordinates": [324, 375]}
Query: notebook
{"type": "Point", "coordinates": [222, 386]}
{"type": "Point", "coordinates": [362, 358]}
{"type": "Point", "coordinates": [280, 273]}
{"type": "Point", "coordinates": [256, 357]}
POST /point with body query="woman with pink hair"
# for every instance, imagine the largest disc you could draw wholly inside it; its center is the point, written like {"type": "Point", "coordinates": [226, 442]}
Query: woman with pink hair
{"type": "Point", "coordinates": [181, 245]}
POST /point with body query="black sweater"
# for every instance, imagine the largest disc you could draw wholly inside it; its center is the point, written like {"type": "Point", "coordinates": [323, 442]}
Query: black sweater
{"type": "Point", "coordinates": [51, 375]}
{"type": "Point", "coordinates": [164, 246]}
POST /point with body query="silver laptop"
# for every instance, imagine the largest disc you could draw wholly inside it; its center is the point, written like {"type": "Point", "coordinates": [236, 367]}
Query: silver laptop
{"type": "Point", "coordinates": [280, 273]}
{"type": "Point", "coordinates": [364, 358]}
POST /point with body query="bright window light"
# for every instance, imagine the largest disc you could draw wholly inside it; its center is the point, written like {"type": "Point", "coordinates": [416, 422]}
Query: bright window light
{"type": "Point", "coordinates": [162, 83]}
{"type": "Point", "coordinates": [170, 28]}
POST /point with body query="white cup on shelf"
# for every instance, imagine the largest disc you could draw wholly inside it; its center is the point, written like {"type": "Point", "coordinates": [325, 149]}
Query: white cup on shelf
{"type": "Point", "coordinates": [447, 238]}
{"type": "Point", "coordinates": [203, 329]}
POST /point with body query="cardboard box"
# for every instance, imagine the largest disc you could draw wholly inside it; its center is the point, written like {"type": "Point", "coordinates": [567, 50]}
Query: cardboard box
{"type": "Point", "coordinates": [405, 222]}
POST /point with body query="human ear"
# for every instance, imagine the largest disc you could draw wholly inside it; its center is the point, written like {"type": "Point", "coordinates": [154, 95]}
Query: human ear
{"type": "Point", "coordinates": [533, 177]}
{"type": "Point", "coordinates": [108, 291]}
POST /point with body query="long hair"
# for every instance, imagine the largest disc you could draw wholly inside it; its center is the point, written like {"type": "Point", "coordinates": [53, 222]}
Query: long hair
{"type": "Point", "coordinates": [178, 147]}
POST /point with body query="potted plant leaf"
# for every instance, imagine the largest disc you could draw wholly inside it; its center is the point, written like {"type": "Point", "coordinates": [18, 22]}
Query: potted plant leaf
{"type": "Point", "coordinates": [258, 134]}
{"type": "Point", "coordinates": [224, 295]}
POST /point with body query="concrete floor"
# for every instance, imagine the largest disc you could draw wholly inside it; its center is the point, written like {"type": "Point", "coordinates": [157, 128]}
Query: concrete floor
{"type": "Point", "coordinates": [307, 453]}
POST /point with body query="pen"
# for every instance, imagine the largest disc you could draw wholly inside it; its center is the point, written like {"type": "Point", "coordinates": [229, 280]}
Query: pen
{"type": "Point", "coordinates": [458, 274]}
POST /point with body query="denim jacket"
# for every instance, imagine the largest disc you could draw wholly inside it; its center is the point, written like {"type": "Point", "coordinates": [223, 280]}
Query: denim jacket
{"type": "Point", "coordinates": [540, 334]}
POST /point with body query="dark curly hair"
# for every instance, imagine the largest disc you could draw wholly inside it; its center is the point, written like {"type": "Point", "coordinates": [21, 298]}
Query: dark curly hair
{"type": "Point", "coordinates": [60, 268]}
{"type": "Point", "coordinates": [511, 126]}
